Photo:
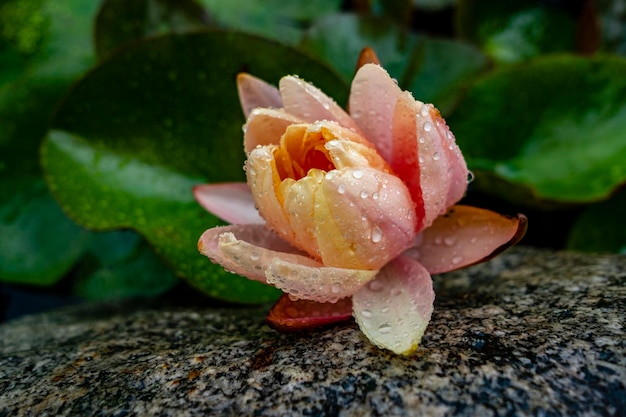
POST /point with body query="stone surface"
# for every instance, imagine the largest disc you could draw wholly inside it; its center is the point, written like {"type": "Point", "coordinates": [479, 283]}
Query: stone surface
{"type": "Point", "coordinates": [529, 333]}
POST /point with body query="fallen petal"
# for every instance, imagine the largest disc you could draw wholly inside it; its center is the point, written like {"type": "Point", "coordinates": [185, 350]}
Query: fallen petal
{"type": "Point", "coordinates": [254, 92]}
{"type": "Point", "coordinates": [465, 236]}
{"type": "Point", "coordinates": [394, 309]}
{"type": "Point", "coordinates": [289, 315]}
{"type": "Point", "coordinates": [310, 104]}
{"type": "Point", "coordinates": [231, 202]}
{"type": "Point", "coordinates": [247, 250]}
{"type": "Point", "coordinates": [314, 281]}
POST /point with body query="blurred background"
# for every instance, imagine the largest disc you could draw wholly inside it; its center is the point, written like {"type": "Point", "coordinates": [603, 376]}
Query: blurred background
{"type": "Point", "coordinates": [112, 110]}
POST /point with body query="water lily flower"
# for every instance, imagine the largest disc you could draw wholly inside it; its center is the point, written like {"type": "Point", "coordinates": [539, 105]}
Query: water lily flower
{"type": "Point", "coordinates": [349, 214]}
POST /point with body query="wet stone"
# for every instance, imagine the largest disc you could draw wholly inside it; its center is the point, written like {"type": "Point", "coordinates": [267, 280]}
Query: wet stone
{"type": "Point", "coordinates": [529, 333]}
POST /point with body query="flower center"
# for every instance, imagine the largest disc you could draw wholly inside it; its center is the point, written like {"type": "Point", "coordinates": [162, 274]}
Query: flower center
{"type": "Point", "coordinates": [301, 150]}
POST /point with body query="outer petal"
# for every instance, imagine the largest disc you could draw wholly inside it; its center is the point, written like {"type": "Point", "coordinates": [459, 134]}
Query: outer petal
{"type": "Point", "coordinates": [394, 309]}
{"type": "Point", "coordinates": [289, 315]}
{"type": "Point", "coordinates": [254, 92]}
{"type": "Point", "coordinates": [373, 97]}
{"type": "Point", "coordinates": [464, 236]}
{"type": "Point", "coordinates": [261, 173]}
{"type": "Point", "coordinates": [266, 126]}
{"type": "Point", "coordinates": [363, 218]}
{"type": "Point", "coordinates": [246, 250]}
{"type": "Point", "coordinates": [313, 281]}
{"type": "Point", "coordinates": [310, 104]}
{"type": "Point", "coordinates": [231, 202]}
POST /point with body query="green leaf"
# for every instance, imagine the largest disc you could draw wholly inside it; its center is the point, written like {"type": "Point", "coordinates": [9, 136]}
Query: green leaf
{"type": "Point", "coordinates": [138, 132]}
{"type": "Point", "coordinates": [550, 131]}
{"type": "Point", "coordinates": [39, 244]}
{"type": "Point", "coordinates": [600, 227]}
{"type": "Point", "coordinates": [121, 265]}
{"type": "Point", "coordinates": [434, 70]}
{"type": "Point", "coordinates": [515, 30]}
{"type": "Point", "coordinates": [274, 19]}
{"type": "Point", "coordinates": [44, 46]}
{"type": "Point", "coordinates": [122, 21]}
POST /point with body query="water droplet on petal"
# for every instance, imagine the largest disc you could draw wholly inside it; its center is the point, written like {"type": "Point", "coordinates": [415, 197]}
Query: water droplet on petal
{"type": "Point", "coordinates": [470, 176]}
{"type": "Point", "coordinates": [436, 156]}
{"type": "Point", "coordinates": [364, 194]}
{"type": "Point", "coordinates": [428, 126]}
{"type": "Point", "coordinates": [396, 292]}
{"type": "Point", "coordinates": [358, 174]}
{"type": "Point", "coordinates": [457, 259]}
{"type": "Point", "coordinates": [341, 189]}
{"type": "Point", "coordinates": [255, 256]}
{"type": "Point", "coordinates": [377, 234]}
{"type": "Point", "coordinates": [335, 288]}
{"type": "Point", "coordinates": [438, 240]}
{"type": "Point", "coordinates": [367, 314]}
{"type": "Point", "coordinates": [384, 328]}
{"type": "Point", "coordinates": [450, 240]}
{"type": "Point", "coordinates": [385, 310]}
{"type": "Point", "coordinates": [422, 139]}
{"type": "Point", "coordinates": [375, 286]}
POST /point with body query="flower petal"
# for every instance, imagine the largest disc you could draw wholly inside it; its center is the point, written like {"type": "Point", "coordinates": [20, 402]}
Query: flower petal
{"type": "Point", "coordinates": [231, 202]}
{"type": "Point", "coordinates": [247, 250]}
{"type": "Point", "coordinates": [289, 315]}
{"type": "Point", "coordinates": [254, 92]}
{"type": "Point", "coordinates": [465, 236]}
{"type": "Point", "coordinates": [313, 281]}
{"type": "Point", "coordinates": [310, 104]}
{"type": "Point", "coordinates": [364, 218]}
{"type": "Point", "coordinates": [457, 166]}
{"type": "Point", "coordinates": [394, 309]}
{"type": "Point", "coordinates": [373, 97]}
{"type": "Point", "coordinates": [266, 126]}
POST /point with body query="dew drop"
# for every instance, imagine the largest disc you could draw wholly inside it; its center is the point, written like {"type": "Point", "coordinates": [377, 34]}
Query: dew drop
{"type": "Point", "coordinates": [396, 292]}
{"type": "Point", "coordinates": [473, 240]}
{"type": "Point", "coordinates": [385, 310]}
{"type": "Point", "coordinates": [424, 110]}
{"type": "Point", "coordinates": [457, 259]}
{"type": "Point", "coordinates": [377, 234]}
{"type": "Point", "coordinates": [358, 174]}
{"type": "Point", "coordinates": [335, 288]}
{"type": "Point", "coordinates": [422, 139]}
{"type": "Point", "coordinates": [364, 194]}
{"type": "Point", "coordinates": [384, 328]}
{"type": "Point", "coordinates": [375, 286]}
{"type": "Point", "coordinates": [255, 256]}
{"type": "Point", "coordinates": [436, 156]}
{"type": "Point", "coordinates": [428, 126]}
{"type": "Point", "coordinates": [341, 189]}
{"type": "Point", "coordinates": [450, 240]}
{"type": "Point", "coordinates": [367, 314]}
{"type": "Point", "coordinates": [470, 176]}
{"type": "Point", "coordinates": [438, 240]}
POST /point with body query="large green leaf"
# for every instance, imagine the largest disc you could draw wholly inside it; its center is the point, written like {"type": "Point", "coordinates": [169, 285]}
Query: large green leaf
{"type": "Point", "coordinates": [435, 70]}
{"type": "Point", "coordinates": [553, 130]}
{"type": "Point", "coordinates": [121, 264]}
{"type": "Point", "coordinates": [44, 46]}
{"type": "Point", "coordinates": [138, 132]}
{"type": "Point", "coordinates": [600, 227]}
{"type": "Point", "coordinates": [515, 30]}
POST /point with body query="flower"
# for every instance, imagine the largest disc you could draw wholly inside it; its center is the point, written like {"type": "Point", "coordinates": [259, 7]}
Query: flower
{"type": "Point", "coordinates": [349, 214]}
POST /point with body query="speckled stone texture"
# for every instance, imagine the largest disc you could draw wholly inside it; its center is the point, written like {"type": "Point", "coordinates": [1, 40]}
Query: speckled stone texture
{"type": "Point", "coordinates": [529, 333]}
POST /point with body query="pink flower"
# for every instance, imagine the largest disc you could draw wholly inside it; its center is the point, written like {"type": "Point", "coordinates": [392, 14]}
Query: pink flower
{"type": "Point", "coordinates": [349, 214]}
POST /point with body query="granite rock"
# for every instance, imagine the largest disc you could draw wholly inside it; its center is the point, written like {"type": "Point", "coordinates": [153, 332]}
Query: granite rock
{"type": "Point", "coordinates": [531, 332]}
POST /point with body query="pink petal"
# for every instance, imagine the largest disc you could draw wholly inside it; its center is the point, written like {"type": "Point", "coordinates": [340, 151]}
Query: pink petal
{"type": "Point", "coordinates": [289, 315]}
{"type": "Point", "coordinates": [373, 97]}
{"type": "Point", "coordinates": [310, 104]}
{"type": "Point", "coordinates": [231, 202]}
{"type": "Point", "coordinates": [394, 309]}
{"type": "Point", "coordinates": [265, 127]}
{"type": "Point", "coordinates": [464, 236]}
{"type": "Point", "coordinates": [313, 281]}
{"type": "Point", "coordinates": [254, 92]}
{"type": "Point", "coordinates": [246, 250]}
{"type": "Point", "coordinates": [458, 167]}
